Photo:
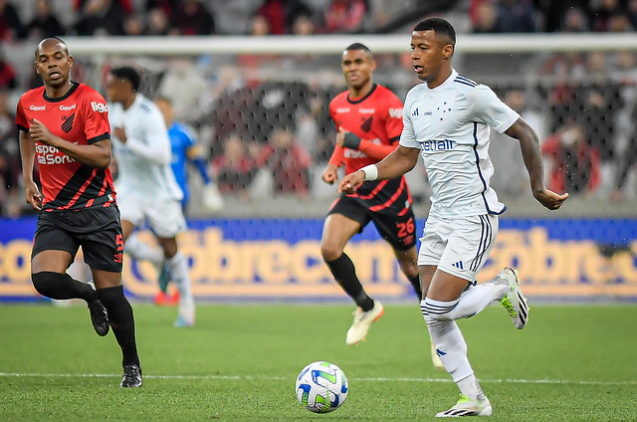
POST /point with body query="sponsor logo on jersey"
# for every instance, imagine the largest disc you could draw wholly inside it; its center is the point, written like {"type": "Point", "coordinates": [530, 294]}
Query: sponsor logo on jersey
{"type": "Point", "coordinates": [99, 107]}
{"type": "Point", "coordinates": [37, 108]}
{"type": "Point", "coordinates": [342, 110]}
{"type": "Point", "coordinates": [396, 112]}
{"type": "Point", "coordinates": [51, 155]}
{"type": "Point", "coordinates": [68, 108]}
{"type": "Point", "coordinates": [443, 145]}
{"type": "Point", "coordinates": [366, 110]}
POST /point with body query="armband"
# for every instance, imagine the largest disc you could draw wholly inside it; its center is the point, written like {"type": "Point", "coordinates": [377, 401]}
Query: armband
{"type": "Point", "coordinates": [351, 141]}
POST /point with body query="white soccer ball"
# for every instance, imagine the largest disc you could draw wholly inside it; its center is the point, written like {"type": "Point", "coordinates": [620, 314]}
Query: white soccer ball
{"type": "Point", "coordinates": [321, 387]}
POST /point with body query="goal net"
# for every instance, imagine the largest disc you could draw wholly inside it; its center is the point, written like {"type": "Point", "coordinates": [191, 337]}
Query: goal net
{"type": "Point", "coordinates": [238, 93]}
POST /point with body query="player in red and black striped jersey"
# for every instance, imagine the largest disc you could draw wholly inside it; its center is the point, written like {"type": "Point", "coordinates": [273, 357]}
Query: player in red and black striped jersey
{"type": "Point", "coordinates": [368, 118]}
{"type": "Point", "coordinates": [65, 126]}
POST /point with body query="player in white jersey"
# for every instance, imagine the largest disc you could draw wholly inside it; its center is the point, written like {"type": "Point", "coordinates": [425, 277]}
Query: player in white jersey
{"type": "Point", "coordinates": [446, 121]}
{"type": "Point", "coordinates": [147, 190]}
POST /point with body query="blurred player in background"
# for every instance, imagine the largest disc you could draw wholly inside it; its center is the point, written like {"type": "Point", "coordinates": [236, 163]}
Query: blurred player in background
{"type": "Point", "coordinates": [184, 150]}
{"type": "Point", "coordinates": [368, 118]}
{"type": "Point", "coordinates": [65, 125]}
{"type": "Point", "coordinates": [145, 183]}
{"type": "Point", "coordinates": [447, 120]}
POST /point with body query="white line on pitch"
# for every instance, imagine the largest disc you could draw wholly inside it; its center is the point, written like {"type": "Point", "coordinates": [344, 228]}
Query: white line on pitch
{"type": "Point", "coordinates": [250, 377]}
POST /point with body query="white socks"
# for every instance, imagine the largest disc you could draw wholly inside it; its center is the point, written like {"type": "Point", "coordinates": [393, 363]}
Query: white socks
{"type": "Point", "coordinates": [450, 346]}
{"type": "Point", "coordinates": [142, 251]}
{"type": "Point", "coordinates": [178, 268]}
{"type": "Point", "coordinates": [446, 336]}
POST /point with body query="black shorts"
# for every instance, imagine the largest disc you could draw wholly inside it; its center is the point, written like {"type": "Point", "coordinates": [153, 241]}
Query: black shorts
{"type": "Point", "coordinates": [396, 224]}
{"type": "Point", "coordinates": [97, 230]}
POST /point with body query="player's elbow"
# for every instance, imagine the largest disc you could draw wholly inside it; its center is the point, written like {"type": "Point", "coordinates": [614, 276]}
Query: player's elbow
{"type": "Point", "coordinates": [103, 161]}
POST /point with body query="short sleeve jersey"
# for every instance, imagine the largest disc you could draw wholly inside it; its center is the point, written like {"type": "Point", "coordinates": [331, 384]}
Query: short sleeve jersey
{"type": "Point", "coordinates": [137, 174]}
{"type": "Point", "coordinates": [79, 117]}
{"type": "Point", "coordinates": [376, 117]}
{"type": "Point", "coordinates": [450, 125]}
{"type": "Point", "coordinates": [181, 141]}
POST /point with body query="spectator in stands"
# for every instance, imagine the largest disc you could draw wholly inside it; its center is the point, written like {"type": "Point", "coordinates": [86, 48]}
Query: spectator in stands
{"type": "Point", "coordinates": [258, 26]}
{"type": "Point", "coordinates": [287, 161]}
{"type": "Point", "coordinates": [514, 16]}
{"type": "Point", "coordinates": [101, 17]}
{"type": "Point", "coordinates": [485, 18]}
{"type": "Point", "coordinates": [167, 6]}
{"type": "Point", "coordinates": [281, 14]}
{"type": "Point", "coordinates": [632, 12]}
{"type": "Point", "coordinates": [8, 78]}
{"type": "Point", "coordinates": [345, 16]}
{"type": "Point", "coordinates": [11, 27]}
{"type": "Point", "coordinates": [134, 25]}
{"type": "Point", "coordinates": [575, 163]}
{"type": "Point", "coordinates": [303, 25]}
{"type": "Point", "coordinates": [192, 18]}
{"type": "Point", "coordinates": [602, 16]}
{"type": "Point", "coordinates": [575, 21]}
{"type": "Point", "coordinates": [234, 169]}
{"type": "Point", "coordinates": [510, 178]}
{"type": "Point", "coordinates": [10, 164]}
{"type": "Point", "coordinates": [157, 23]}
{"type": "Point", "coordinates": [598, 101]}
{"type": "Point", "coordinates": [44, 24]}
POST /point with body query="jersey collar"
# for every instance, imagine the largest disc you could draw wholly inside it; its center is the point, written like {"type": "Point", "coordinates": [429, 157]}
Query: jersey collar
{"type": "Point", "coordinates": [450, 79]}
{"type": "Point", "coordinates": [74, 86]}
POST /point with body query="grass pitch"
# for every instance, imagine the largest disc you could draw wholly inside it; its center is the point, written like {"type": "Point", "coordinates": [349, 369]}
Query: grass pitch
{"type": "Point", "coordinates": [240, 362]}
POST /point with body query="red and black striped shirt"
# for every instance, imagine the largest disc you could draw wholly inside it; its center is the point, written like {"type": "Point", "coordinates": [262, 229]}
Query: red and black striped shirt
{"type": "Point", "coordinates": [80, 117]}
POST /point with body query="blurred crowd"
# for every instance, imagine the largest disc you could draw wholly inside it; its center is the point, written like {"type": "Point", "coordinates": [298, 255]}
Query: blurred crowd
{"type": "Point", "coordinates": [263, 120]}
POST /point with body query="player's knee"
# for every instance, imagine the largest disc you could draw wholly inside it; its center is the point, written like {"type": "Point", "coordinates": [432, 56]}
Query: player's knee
{"type": "Point", "coordinates": [46, 282]}
{"type": "Point", "coordinates": [331, 252]}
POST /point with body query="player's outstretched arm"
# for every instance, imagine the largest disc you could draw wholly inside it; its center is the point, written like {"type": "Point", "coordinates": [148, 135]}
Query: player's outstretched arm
{"type": "Point", "coordinates": [396, 164]}
{"type": "Point", "coordinates": [530, 145]}
{"type": "Point", "coordinates": [97, 154]}
{"type": "Point", "coordinates": [27, 154]}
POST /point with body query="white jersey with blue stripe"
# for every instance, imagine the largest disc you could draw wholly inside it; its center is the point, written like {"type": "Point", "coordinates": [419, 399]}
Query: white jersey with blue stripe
{"type": "Point", "coordinates": [143, 161]}
{"type": "Point", "coordinates": [450, 125]}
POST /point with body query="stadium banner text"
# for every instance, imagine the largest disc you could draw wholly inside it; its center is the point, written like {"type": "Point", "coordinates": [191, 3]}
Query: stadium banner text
{"type": "Point", "coordinates": [280, 259]}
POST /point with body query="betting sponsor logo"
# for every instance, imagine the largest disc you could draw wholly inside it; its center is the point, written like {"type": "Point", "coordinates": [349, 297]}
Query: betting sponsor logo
{"type": "Point", "coordinates": [48, 155]}
{"type": "Point", "coordinates": [99, 107]}
{"type": "Point", "coordinates": [37, 108]}
{"type": "Point", "coordinates": [396, 112]}
{"type": "Point", "coordinates": [68, 108]}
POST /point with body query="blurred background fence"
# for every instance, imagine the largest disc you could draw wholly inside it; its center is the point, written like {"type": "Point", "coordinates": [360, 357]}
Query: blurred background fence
{"type": "Point", "coordinates": [258, 104]}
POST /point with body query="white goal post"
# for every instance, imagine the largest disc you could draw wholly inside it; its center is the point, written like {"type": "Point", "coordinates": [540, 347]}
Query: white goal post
{"type": "Point", "coordinates": [333, 44]}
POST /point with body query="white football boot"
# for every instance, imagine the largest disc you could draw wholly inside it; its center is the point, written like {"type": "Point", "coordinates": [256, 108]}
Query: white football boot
{"type": "Point", "coordinates": [362, 321]}
{"type": "Point", "coordinates": [514, 301]}
{"type": "Point", "coordinates": [468, 407]}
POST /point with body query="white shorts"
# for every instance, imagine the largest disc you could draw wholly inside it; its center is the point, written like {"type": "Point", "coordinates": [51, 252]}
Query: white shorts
{"type": "Point", "coordinates": [164, 216]}
{"type": "Point", "coordinates": [459, 246]}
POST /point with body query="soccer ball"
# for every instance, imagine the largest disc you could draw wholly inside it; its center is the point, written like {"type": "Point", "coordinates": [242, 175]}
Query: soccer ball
{"type": "Point", "coordinates": [321, 387]}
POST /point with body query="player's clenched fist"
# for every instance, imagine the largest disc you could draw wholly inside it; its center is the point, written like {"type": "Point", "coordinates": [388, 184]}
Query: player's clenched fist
{"type": "Point", "coordinates": [40, 133]}
{"type": "Point", "coordinates": [351, 182]}
{"type": "Point", "coordinates": [33, 195]}
{"type": "Point", "coordinates": [330, 174]}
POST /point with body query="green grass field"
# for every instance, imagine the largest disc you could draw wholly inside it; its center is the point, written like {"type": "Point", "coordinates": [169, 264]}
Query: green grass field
{"type": "Point", "coordinates": [240, 362]}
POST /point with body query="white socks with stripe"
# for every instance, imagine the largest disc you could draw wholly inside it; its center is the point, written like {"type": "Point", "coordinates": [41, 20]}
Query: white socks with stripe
{"type": "Point", "coordinates": [179, 272]}
{"type": "Point", "coordinates": [450, 344]}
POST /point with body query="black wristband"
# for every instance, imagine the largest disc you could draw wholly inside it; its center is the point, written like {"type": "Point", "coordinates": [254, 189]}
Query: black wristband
{"type": "Point", "coordinates": [351, 141]}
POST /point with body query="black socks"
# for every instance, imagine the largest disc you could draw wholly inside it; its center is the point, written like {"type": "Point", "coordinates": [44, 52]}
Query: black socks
{"type": "Point", "coordinates": [120, 315]}
{"type": "Point", "coordinates": [344, 272]}
{"type": "Point", "coordinates": [62, 286]}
